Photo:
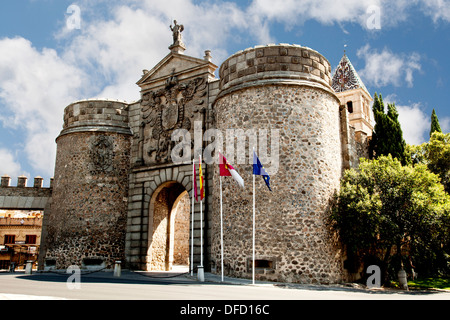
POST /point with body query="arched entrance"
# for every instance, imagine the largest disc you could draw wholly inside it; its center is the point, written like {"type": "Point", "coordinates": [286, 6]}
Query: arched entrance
{"type": "Point", "coordinates": [169, 228]}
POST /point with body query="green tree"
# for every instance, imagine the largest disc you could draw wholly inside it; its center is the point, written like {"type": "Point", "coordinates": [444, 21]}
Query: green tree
{"type": "Point", "coordinates": [438, 157]}
{"type": "Point", "coordinates": [435, 154]}
{"type": "Point", "coordinates": [395, 214]}
{"type": "Point", "coordinates": [388, 135]}
{"type": "Point", "coordinates": [434, 123]}
{"type": "Point", "coordinates": [417, 153]}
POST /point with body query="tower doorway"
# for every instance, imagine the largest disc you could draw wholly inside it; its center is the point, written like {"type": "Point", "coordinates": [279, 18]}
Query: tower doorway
{"type": "Point", "coordinates": [169, 228]}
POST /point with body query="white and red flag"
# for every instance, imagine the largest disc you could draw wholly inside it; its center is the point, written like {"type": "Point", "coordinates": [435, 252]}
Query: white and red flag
{"type": "Point", "coordinates": [227, 170]}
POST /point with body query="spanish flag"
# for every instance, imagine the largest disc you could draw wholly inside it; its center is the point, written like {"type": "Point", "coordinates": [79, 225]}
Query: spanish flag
{"type": "Point", "coordinates": [202, 184]}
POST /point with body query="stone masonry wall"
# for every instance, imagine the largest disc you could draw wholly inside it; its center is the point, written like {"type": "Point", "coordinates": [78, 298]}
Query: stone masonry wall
{"type": "Point", "coordinates": [293, 242]}
{"type": "Point", "coordinates": [87, 216]}
{"type": "Point", "coordinates": [287, 62]}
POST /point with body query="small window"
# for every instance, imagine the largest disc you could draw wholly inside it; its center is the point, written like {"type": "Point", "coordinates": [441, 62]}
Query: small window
{"type": "Point", "coordinates": [261, 264]}
{"type": "Point", "coordinates": [30, 239]}
{"type": "Point", "coordinates": [4, 264]}
{"type": "Point", "coordinates": [350, 107]}
{"type": "Point", "coordinates": [92, 261]}
{"type": "Point", "coordinates": [50, 262]}
{"type": "Point", "coordinates": [10, 239]}
{"type": "Point", "coordinates": [268, 264]}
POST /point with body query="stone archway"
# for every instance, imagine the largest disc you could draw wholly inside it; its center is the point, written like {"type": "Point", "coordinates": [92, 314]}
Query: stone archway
{"type": "Point", "coordinates": [169, 227]}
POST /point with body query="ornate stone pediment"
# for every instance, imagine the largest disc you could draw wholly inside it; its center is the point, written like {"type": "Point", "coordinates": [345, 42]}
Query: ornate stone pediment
{"type": "Point", "coordinates": [186, 67]}
{"type": "Point", "coordinates": [172, 94]}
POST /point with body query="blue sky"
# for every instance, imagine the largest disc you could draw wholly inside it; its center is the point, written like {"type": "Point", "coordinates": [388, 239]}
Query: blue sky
{"type": "Point", "coordinates": [400, 49]}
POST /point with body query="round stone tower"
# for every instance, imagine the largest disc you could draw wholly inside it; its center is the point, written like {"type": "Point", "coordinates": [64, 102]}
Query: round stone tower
{"type": "Point", "coordinates": [286, 90]}
{"type": "Point", "coordinates": [86, 222]}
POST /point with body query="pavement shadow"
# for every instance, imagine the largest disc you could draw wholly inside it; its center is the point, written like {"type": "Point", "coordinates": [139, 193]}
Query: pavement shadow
{"type": "Point", "coordinates": [127, 277]}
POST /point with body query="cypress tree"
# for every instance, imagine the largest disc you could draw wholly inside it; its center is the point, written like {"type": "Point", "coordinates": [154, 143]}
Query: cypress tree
{"type": "Point", "coordinates": [388, 135]}
{"type": "Point", "coordinates": [394, 136]}
{"type": "Point", "coordinates": [378, 111]}
{"type": "Point", "coordinates": [434, 123]}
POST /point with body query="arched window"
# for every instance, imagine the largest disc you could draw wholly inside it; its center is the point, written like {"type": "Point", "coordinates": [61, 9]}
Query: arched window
{"type": "Point", "coordinates": [350, 107]}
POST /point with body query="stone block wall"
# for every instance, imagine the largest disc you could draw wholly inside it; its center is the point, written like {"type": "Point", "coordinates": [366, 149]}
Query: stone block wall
{"type": "Point", "coordinates": [287, 62]}
{"type": "Point", "coordinates": [92, 114]}
{"type": "Point", "coordinates": [86, 219]}
{"type": "Point", "coordinates": [293, 241]}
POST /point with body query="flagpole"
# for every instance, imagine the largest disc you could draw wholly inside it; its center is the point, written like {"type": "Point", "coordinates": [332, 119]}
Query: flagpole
{"type": "Point", "coordinates": [192, 219]}
{"type": "Point", "coordinates": [201, 234]}
{"type": "Point", "coordinates": [201, 225]}
{"type": "Point", "coordinates": [253, 267]}
{"type": "Point", "coordinates": [201, 275]}
{"type": "Point", "coordinates": [221, 225]}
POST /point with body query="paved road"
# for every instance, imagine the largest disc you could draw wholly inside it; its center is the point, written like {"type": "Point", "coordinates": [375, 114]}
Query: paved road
{"type": "Point", "coordinates": [144, 286]}
{"type": "Point", "coordinates": [182, 297]}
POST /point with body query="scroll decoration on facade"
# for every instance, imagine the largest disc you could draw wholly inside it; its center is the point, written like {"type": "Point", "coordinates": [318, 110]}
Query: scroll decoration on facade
{"type": "Point", "coordinates": [166, 110]}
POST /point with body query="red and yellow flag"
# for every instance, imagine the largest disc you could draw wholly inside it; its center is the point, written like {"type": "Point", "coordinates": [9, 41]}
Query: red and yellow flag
{"type": "Point", "coordinates": [202, 184]}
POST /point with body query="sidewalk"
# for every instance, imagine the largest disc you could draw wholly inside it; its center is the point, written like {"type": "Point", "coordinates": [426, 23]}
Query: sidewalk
{"type": "Point", "coordinates": [348, 287]}
{"type": "Point", "coordinates": [217, 278]}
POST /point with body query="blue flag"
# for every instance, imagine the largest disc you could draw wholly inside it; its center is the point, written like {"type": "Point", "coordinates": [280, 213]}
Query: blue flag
{"type": "Point", "coordinates": [258, 170]}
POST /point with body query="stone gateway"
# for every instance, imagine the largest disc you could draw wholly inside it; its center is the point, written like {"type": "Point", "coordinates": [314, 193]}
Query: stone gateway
{"type": "Point", "coordinates": [119, 195]}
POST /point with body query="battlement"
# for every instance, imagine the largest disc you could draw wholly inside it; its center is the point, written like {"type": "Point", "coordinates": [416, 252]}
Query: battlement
{"type": "Point", "coordinates": [22, 182]}
{"type": "Point", "coordinates": [22, 197]}
{"type": "Point", "coordinates": [282, 63]}
{"type": "Point", "coordinates": [96, 115]}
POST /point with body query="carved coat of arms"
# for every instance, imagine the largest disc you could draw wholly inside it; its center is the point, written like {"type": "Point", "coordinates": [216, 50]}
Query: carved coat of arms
{"type": "Point", "coordinates": [166, 110]}
{"type": "Point", "coordinates": [102, 155]}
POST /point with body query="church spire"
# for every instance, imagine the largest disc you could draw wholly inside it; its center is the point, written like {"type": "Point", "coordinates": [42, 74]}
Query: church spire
{"type": "Point", "coordinates": [346, 78]}
{"type": "Point", "coordinates": [354, 96]}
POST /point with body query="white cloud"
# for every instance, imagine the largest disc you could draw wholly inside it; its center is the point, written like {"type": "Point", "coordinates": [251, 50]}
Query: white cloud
{"type": "Point", "coordinates": [415, 123]}
{"type": "Point", "coordinates": [35, 86]}
{"type": "Point", "coordinates": [388, 13]}
{"type": "Point", "coordinates": [9, 164]}
{"type": "Point", "coordinates": [135, 35]}
{"type": "Point", "coordinates": [445, 124]}
{"type": "Point", "coordinates": [296, 12]}
{"type": "Point", "coordinates": [437, 9]}
{"type": "Point", "coordinates": [388, 68]}
{"type": "Point", "coordinates": [325, 11]}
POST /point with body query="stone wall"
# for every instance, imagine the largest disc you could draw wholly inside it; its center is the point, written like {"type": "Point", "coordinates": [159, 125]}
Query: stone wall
{"type": "Point", "coordinates": [293, 241]}
{"type": "Point", "coordinates": [181, 234]}
{"type": "Point", "coordinates": [22, 196]}
{"type": "Point", "coordinates": [86, 219]}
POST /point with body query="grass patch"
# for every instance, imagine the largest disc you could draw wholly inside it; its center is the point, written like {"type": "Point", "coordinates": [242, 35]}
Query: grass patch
{"type": "Point", "coordinates": [430, 283]}
{"type": "Point", "coordinates": [423, 284]}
